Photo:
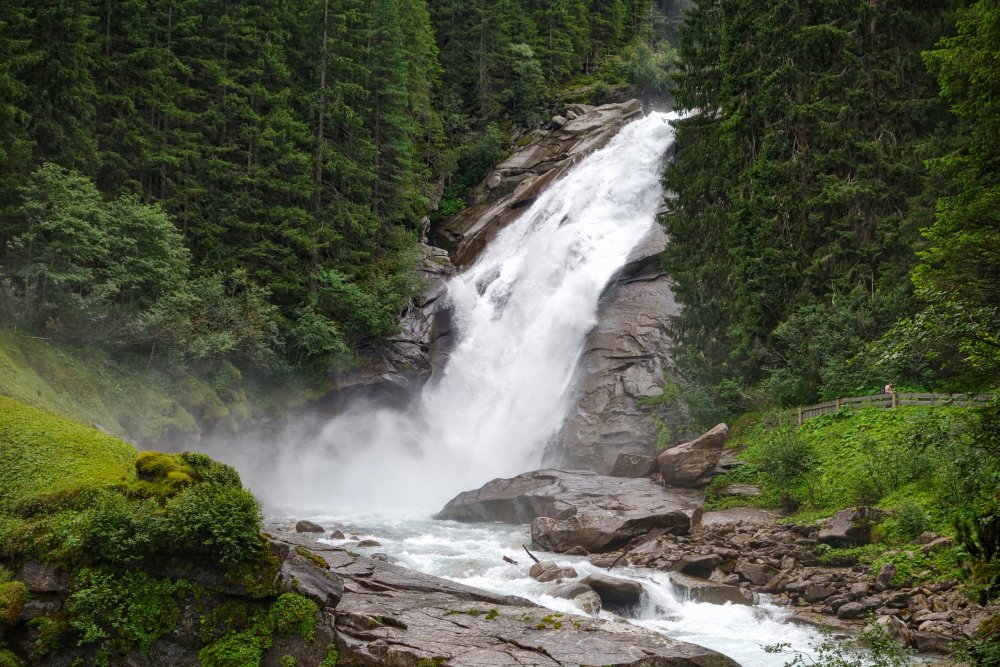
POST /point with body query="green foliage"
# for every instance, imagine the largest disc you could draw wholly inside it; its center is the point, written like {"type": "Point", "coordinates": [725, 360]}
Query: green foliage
{"type": "Point", "coordinates": [293, 614]}
{"type": "Point", "coordinates": [957, 276]}
{"type": "Point", "coordinates": [330, 660]}
{"type": "Point", "coordinates": [219, 522]}
{"type": "Point", "coordinates": [13, 595]}
{"type": "Point", "coordinates": [922, 463]}
{"type": "Point", "coordinates": [239, 649]}
{"type": "Point", "coordinates": [983, 650]}
{"type": "Point", "coordinates": [796, 216]}
{"type": "Point", "coordinates": [117, 611]}
{"type": "Point", "coordinates": [879, 650]}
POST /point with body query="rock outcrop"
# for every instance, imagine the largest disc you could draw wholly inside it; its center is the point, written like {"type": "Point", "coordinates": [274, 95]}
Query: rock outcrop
{"type": "Point", "coordinates": [391, 615]}
{"type": "Point", "coordinates": [623, 366]}
{"type": "Point", "coordinates": [851, 527]}
{"type": "Point", "coordinates": [406, 361]}
{"type": "Point", "coordinates": [568, 509]}
{"type": "Point", "coordinates": [519, 180]}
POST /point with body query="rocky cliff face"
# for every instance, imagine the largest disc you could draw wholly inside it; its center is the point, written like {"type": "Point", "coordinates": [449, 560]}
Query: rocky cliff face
{"type": "Point", "coordinates": [623, 366]}
{"type": "Point", "coordinates": [516, 182]}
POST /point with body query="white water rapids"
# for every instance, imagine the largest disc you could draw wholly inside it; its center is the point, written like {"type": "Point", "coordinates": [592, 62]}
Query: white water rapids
{"type": "Point", "coordinates": [521, 315]}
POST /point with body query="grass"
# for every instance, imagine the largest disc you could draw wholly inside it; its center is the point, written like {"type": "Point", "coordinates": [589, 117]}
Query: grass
{"type": "Point", "coordinates": [897, 459]}
{"type": "Point", "coordinates": [42, 455]}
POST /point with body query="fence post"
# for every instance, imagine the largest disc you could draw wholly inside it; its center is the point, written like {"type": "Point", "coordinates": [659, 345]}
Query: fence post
{"type": "Point", "coordinates": [894, 401]}
{"type": "Point", "coordinates": [838, 403]}
{"type": "Point", "coordinates": [800, 415]}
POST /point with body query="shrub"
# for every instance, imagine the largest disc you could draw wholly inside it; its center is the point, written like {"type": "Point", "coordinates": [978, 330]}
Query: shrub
{"type": "Point", "coordinates": [13, 595]}
{"type": "Point", "coordinates": [239, 649]}
{"type": "Point", "coordinates": [222, 522]}
{"type": "Point", "coordinates": [121, 611]}
{"type": "Point", "coordinates": [209, 471]}
{"type": "Point", "coordinates": [293, 614]}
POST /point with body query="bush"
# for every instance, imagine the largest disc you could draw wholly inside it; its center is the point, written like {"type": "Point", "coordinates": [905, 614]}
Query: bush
{"type": "Point", "coordinates": [118, 612]}
{"type": "Point", "coordinates": [293, 614]}
{"type": "Point", "coordinates": [13, 595]}
{"type": "Point", "coordinates": [785, 458]}
{"type": "Point", "coordinates": [880, 650]}
{"type": "Point", "coordinates": [222, 522]}
{"type": "Point", "coordinates": [240, 649]}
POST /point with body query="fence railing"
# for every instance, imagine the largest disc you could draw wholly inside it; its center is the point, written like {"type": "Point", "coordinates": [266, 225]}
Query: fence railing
{"type": "Point", "coordinates": [891, 401]}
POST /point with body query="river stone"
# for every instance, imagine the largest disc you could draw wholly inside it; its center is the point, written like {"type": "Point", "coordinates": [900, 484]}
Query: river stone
{"type": "Point", "coordinates": [616, 593]}
{"type": "Point", "coordinates": [850, 527]}
{"type": "Point", "coordinates": [702, 590]}
{"type": "Point", "coordinates": [547, 570]}
{"type": "Point", "coordinates": [571, 590]}
{"type": "Point", "coordinates": [590, 602]}
{"type": "Point", "coordinates": [688, 464]}
{"type": "Point", "coordinates": [308, 527]}
{"type": "Point", "coordinates": [698, 565]}
{"type": "Point", "coordinates": [391, 615]}
{"type": "Point", "coordinates": [567, 509]}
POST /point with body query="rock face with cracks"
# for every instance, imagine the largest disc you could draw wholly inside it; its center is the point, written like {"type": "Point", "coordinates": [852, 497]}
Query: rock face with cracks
{"type": "Point", "coordinates": [568, 509]}
{"type": "Point", "coordinates": [390, 615]}
{"type": "Point", "coordinates": [625, 360]}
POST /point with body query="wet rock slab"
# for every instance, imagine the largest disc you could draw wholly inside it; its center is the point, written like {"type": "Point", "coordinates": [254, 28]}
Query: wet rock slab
{"type": "Point", "coordinates": [568, 509]}
{"type": "Point", "coordinates": [390, 615]}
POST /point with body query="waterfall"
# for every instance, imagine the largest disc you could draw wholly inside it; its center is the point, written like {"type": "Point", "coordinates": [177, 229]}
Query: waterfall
{"type": "Point", "coordinates": [521, 315]}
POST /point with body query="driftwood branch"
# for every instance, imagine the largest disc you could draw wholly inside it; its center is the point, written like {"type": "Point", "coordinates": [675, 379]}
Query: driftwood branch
{"type": "Point", "coordinates": [623, 554]}
{"type": "Point", "coordinates": [530, 555]}
{"type": "Point", "coordinates": [510, 560]}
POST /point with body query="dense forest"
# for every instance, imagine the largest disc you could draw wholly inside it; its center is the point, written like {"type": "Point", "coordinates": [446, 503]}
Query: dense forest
{"type": "Point", "coordinates": [251, 180]}
{"type": "Point", "coordinates": [837, 213]}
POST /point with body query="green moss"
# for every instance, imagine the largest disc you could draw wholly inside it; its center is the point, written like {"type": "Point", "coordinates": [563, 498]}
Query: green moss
{"type": "Point", "coordinates": [436, 661]}
{"type": "Point", "coordinates": [239, 649]}
{"type": "Point", "coordinates": [13, 595]}
{"type": "Point", "coordinates": [8, 659]}
{"type": "Point", "coordinates": [313, 558]}
{"type": "Point", "coordinates": [53, 633]}
{"type": "Point", "coordinates": [293, 614]}
{"type": "Point", "coordinates": [45, 458]}
{"type": "Point", "coordinates": [330, 660]}
{"type": "Point", "coordinates": [287, 661]}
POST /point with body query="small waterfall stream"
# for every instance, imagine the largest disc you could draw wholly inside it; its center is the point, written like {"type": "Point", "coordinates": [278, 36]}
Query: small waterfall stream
{"type": "Point", "coordinates": [521, 313]}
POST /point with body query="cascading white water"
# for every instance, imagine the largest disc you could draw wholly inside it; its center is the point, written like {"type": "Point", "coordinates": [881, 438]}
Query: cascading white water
{"type": "Point", "coordinates": [521, 314]}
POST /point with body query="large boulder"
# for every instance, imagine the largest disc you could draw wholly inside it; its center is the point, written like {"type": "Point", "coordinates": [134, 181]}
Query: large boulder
{"type": "Point", "coordinates": [622, 368]}
{"type": "Point", "coordinates": [616, 593]}
{"type": "Point", "coordinates": [690, 463]}
{"type": "Point", "coordinates": [703, 590]}
{"type": "Point", "coordinates": [634, 465]}
{"type": "Point", "coordinates": [851, 527]}
{"type": "Point", "coordinates": [568, 509]}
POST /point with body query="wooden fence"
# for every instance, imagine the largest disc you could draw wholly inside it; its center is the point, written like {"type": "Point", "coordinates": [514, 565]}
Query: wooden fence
{"type": "Point", "coordinates": [891, 401]}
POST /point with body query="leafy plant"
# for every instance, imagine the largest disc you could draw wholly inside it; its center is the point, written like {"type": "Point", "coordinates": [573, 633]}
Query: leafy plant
{"type": "Point", "coordinates": [879, 650]}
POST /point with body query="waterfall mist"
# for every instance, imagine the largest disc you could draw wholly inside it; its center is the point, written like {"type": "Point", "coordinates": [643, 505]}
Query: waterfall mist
{"type": "Point", "coordinates": [522, 312]}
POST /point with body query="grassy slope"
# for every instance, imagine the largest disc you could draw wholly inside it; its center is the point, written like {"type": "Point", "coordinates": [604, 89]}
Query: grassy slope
{"type": "Point", "coordinates": [870, 456]}
{"type": "Point", "coordinates": [42, 455]}
{"type": "Point", "coordinates": [152, 405]}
